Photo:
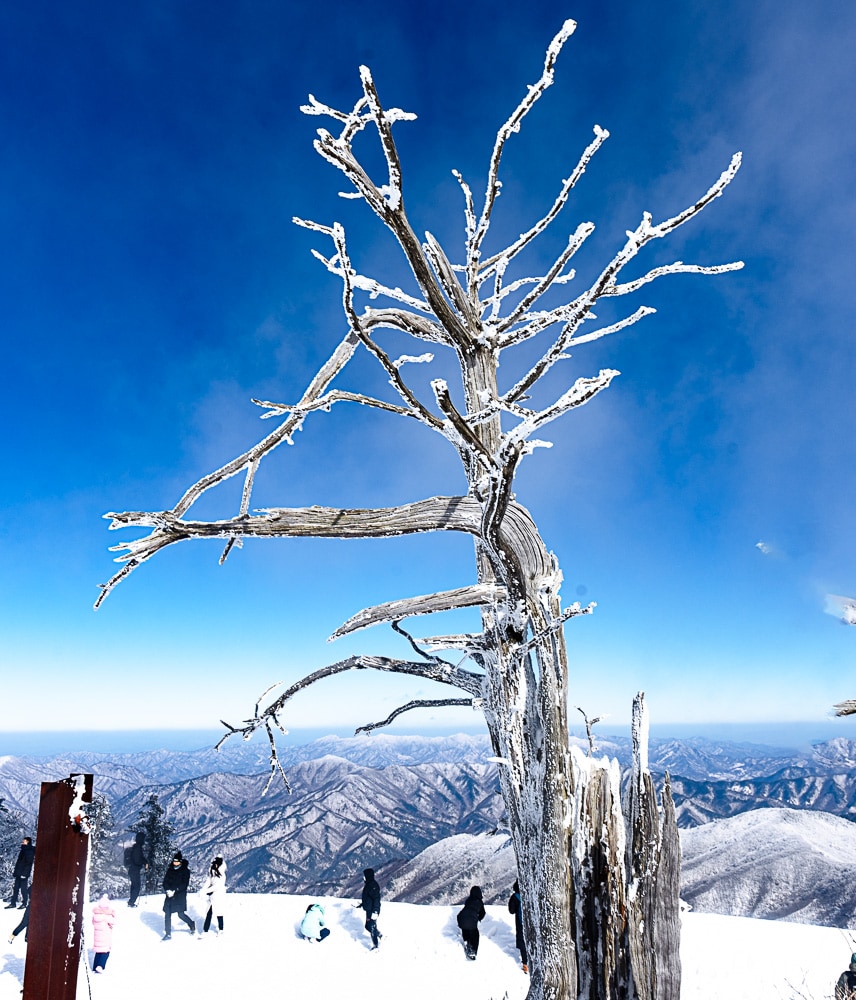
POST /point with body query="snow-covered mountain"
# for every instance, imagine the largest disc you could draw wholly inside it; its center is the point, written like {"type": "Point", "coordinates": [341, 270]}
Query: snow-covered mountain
{"type": "Point", "coordinates": [338, 818]}
{"type": "Point", "coordinates": [778, 864]}
{"type": "Point", "coordinates": [425, 811]}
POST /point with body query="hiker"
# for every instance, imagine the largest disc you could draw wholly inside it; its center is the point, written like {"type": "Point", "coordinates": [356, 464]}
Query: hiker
{"type": "Point", "coordinates": [845, 988]}
{"type": "Point", "coordinates": [515, 906]}
{"type": "Point", "coordinates": [214, 893]}
{"type": "Point", "coordinates": [103, 918]}
{"type": "Point", "coordinates": [313, 926]}
{"type": "Point", "coordinates": [135, 861]}
{"type": "Point", "coordinates": [468, 921]}
{"type": "Point", "coordinates": [175, 883]}
{"type": "Point", "coordinates": [370, 902]}
{"type": "Point", "coordinates": [21, 874]}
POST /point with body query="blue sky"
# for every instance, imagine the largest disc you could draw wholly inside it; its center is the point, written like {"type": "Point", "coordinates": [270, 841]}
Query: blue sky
{"type": "Point", "coordinates": [152, 283]}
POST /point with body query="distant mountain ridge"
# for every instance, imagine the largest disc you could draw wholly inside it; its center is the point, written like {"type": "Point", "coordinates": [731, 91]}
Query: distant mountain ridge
{"type": "Point", "coordinates": [425, 811]}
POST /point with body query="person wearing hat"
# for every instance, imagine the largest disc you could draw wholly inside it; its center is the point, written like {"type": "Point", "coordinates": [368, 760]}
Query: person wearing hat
{"type": "Point", "coordinates": [845, 988]}
{"type": "Point", "coordinates": [370, 902]}
{"type": "Point", "coordinates": [175, 884]}
{"type": "Point", "coordinates": [468, 920]}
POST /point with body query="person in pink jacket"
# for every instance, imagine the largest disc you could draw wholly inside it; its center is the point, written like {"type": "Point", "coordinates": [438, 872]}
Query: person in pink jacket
{"type": "Point", "coordinates": [103, 918]}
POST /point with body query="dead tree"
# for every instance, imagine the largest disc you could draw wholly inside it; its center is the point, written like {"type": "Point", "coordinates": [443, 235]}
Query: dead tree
{"type": "Point", "coordinates": [591, 895]}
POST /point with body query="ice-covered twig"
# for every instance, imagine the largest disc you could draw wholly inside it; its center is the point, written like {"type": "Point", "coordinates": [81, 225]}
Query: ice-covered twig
{"type": "Point", "coordinates": [505, 256]}
{"type": "Point", "coordinates": [533, 93]}
{"type": "Point", "coordinates": [418, 703]}
{"type": "Point", "coordinates": [327, 400]}
{"type": "Point", "coordinates": [590, 724]}
{"type": "Point", "coordinates": [636, 239]}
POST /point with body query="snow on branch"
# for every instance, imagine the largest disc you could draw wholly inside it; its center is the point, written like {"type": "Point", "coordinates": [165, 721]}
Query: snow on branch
{"type": "Point", "coordinates": [428, 604]}
{"type": "Point", "coordinates": [418, 703]}
{"type": "Point", "coordinates": [534, 92]}
{"type": "Point", "coordinates": [264, 718]}
{"type": "Point", "coordinates": [605, 283]}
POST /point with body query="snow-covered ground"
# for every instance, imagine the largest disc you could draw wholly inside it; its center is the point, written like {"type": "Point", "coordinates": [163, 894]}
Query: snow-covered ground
{"type": "Point", "coordinates": [420, 956]}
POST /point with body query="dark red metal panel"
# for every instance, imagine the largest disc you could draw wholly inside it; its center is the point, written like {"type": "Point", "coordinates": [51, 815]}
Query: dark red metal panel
{"type": "Point", "coordinates": [58, 890]}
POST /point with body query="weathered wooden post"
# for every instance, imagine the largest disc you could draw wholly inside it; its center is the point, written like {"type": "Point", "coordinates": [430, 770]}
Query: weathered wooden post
{"type": "Point", "coordinates": [57, 893]}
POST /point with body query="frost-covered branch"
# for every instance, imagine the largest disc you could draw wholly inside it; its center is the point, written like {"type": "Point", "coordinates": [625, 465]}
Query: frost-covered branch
{"type": "Point", "coordinates": [462, 514]}
{"type": "Point", "coordinates": [502, 259]}
{"type": "Point", "coordinates": [534, 92]}
{"type": "Point", "coordinates": [605, 283]}
{"type": "Point", "coordinates": [845, 707]}
{"type": "Point", "coordinates": [428, 604]}
{"type": "Point", "coordinates": [418, 703]}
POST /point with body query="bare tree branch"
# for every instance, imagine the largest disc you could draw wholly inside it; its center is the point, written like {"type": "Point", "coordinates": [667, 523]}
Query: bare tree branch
{"type": "Point", "coordinates": [419, 703]}
{"type": "Point", "coordinates": [428, 604]}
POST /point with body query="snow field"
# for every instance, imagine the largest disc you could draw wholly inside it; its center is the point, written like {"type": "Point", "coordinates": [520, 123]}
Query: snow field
{"type": "Point", "coordinates": [420, 956]}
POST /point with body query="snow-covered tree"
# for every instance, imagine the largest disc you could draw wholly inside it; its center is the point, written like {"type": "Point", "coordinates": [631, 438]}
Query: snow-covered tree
{"type": "Point", "coordinates": [12, 829]}
{"type": "Point", "coordinates": [159, 846]}
{"type": "Point", "coordinates": [600, 897]}
{"type": "Point", "coordinates": [105, 870]}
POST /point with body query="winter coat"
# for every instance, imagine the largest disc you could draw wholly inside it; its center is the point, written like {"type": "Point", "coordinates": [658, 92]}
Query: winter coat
{"type": "Point", "coordinates": [213, 891]}
{"type": "Point", "coordinates": [845, 988]}
{"type": "Point", "coordinates": [24, 862]}
{"type": "Point", "coordinates": [176, 880]}
{"type": "Point", "coordinates": [473, 911]}
{"type": "Point", "coordinates": [515, 907]}
{"type": "Point", "coordinates": [312, 922]}
{"type": "Point", "coordinates": [138, 858]}
{"type": "Point", "coordinates": [103, 918]}
{"type": "Point", "coordinates": [370, 900]}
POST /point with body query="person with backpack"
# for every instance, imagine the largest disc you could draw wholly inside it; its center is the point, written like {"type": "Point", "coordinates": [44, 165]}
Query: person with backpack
{"type": "Point", "coordinates": [214, 893]}
{"type": "Point", "coordinates": [175, 884]}
{"type": "Point", "coordinates": [468, 920]}
{"type": "Point", "coordinates": [515, 906]}
{"type": "Point", "coordinates": [135, 862]}
{"type": "Point", "coordinates": [845, 988]}
{"type": "Point", "coordinates": [370, 902]}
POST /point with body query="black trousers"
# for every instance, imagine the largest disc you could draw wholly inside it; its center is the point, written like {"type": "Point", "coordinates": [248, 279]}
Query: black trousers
{"type": "Point", "coordinates": [471, 939]}
{"type": "Point", "coordinates": [22, 886]}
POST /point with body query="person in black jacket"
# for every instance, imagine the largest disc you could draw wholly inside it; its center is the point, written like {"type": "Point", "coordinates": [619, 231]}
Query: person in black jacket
{"type": "Point", "coordinates": [845, 988]}
{"type": "Point", "coordinates": [137, 861]}
{"type": "Point", "coordinates": [516, 907]}
{"type": "Point", "coordinates": [468, 921]}
{"type": "Point", "coordinates": [175, 884]}
{"type": "Point", "coordinates": [370, 902]}
{"type": "Point", "coordinates": [21, 873]}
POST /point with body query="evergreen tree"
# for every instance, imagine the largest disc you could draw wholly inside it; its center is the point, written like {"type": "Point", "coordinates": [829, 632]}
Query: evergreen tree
{"type": "Point", "coordinates": [11, 831]}
{"type": "Point", "coordinates": [159, 847]}
{"type": "Point", "coordinates": [105, 872]}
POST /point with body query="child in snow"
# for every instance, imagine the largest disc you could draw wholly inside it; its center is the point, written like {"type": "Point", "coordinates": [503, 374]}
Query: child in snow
{"type": "Point", "coordinates": [468, 921]}
{"type": "Point", "coordinates": [313, 926]}
{"type": "Point", "coordinates": [214, 891]}
{"type": "Point", "coordinates": [103, 918]}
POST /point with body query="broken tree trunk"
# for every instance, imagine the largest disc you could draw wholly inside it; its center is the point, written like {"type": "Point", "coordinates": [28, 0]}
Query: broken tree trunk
{"type": "Point", "coordinates": [626, 930]}
{"type": "Point", "coordinates": [59, 884]}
